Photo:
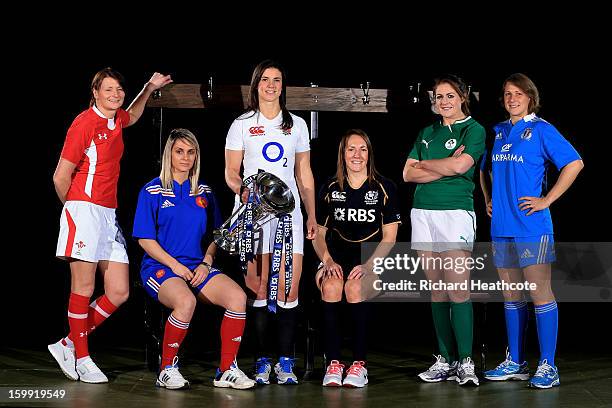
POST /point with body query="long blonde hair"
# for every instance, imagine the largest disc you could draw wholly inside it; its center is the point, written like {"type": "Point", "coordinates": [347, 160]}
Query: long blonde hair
{"type": "Point", "coordinates": [166, 164]}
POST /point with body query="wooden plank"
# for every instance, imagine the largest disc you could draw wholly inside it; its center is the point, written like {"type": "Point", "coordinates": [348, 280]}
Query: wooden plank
{"type": "Point", "coordinates": [187, 96]}
{"type": "Point", "coordinates": [193, 96]}
{"type": "Point", "coordinates": [335, 99]}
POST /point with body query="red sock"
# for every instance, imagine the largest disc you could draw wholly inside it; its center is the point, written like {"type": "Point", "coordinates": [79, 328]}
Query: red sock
{"type": "Point", "coordinates": [232, 328]}
{"type": "Point", "coordinates": [174, 334]}
{"type": "Point", "coordinates": [77, 319]}
{"type": "Point", "coordinates": [99, 310]}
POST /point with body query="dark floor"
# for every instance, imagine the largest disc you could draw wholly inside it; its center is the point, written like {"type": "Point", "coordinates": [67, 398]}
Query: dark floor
{"type": "Point", "coordinates": [586, 382]}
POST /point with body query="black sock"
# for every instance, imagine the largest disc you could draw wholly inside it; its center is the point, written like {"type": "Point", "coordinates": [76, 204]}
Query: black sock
{"type": "Point", "coordinates": [332, 331]}
{"type": "Point", "coordinates": [257, 318]}
{"type": "Point", "coordinates": [359, 316]}
{"type": "Point", "coordinates": [287, 319]}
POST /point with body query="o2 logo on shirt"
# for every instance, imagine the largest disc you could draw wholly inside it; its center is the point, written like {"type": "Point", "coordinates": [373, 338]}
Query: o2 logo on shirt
{"type": "Point", "coordinates": [273, 152]}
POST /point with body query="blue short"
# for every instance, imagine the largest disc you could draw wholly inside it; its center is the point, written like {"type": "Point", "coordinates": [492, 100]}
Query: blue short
{"type": "Point", "coordinates": [520, 252]}
{"type": "Point", "coordinates": [152, 279]}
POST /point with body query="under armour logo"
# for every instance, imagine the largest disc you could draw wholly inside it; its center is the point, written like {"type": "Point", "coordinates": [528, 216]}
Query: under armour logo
{"type": "Point", "coordinates": [102, 136]}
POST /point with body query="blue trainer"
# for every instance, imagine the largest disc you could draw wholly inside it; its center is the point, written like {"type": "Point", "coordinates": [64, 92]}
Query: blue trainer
{"type": "Point", "coordinates": [284, 371]}
{"type": "Point", "coordinates": [263, 367]}
{"type": "Point", "coordinates": [546, 376]}
{"type": "Point", "coordinates": [508, 370]}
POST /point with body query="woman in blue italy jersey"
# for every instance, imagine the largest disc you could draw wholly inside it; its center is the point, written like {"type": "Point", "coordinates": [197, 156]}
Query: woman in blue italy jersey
{"type": "Point", "coordinates": [521, 226]}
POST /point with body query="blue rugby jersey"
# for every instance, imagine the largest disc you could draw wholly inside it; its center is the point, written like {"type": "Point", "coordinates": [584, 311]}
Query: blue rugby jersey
{"type": "Point", "coordinates": [176, 219]}
{"type": "Point", "coordinates": [519, 158]}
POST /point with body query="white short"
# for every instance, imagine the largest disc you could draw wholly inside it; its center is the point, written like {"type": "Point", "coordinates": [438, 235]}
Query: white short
{"type": "Point", "coordinates": [89, 232]}
{"type": "Point", "coordinates": [264, 239]}
{"type": "Point", "coordinates": [442, 230]}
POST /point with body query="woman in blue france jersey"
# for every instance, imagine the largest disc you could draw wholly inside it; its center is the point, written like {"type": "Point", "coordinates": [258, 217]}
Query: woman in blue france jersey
{"type": "Point", "coordinates": [174, 212]}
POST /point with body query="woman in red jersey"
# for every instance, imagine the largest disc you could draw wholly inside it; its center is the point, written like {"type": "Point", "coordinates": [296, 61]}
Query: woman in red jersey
{"type": "Point", "coordinates": [86, 183]}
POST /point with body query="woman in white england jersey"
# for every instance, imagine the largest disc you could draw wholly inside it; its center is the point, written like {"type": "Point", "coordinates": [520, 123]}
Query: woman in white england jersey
{"type": "Point", "coordinates": [268, 137]}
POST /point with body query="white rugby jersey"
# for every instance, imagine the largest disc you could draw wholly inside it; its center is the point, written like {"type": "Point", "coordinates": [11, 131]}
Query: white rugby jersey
{"type": "Point", "coordinates": [268, 147]}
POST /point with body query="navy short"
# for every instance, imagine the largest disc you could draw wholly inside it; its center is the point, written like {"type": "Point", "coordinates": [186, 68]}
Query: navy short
{"type": "Point", "coordinates": [153, 278]}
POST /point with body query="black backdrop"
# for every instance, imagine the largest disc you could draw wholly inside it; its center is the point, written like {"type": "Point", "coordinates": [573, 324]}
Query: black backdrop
{"type": "Point", "coordinates": [36, 287]}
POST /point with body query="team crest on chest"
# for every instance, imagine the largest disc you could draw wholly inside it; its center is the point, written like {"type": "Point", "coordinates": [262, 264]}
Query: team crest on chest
{"type": "Point", "coordinates": [201, 202]}
{"type": "Point", "coordinates": [371, 197]}
{"type": "Point", "coordinates": [526, 135]}
{"type": "Point", "coordinates": [450, 144]}
{"type": "Point", "coordinates": [286, 131]}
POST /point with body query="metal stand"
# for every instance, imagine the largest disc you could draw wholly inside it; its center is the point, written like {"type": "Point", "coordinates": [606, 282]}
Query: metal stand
{"type": "Point", "coordinates": [309, 354]}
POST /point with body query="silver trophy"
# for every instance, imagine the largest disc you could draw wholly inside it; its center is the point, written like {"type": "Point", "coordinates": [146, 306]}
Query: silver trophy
{"type": "Point", "coordinates": [271, 197]}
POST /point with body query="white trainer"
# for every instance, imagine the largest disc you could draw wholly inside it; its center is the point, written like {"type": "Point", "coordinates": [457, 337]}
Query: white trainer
{"type": "Point", "coordinates": [66, 359]}
{"type": "Point", "coordinates": [233, 378]}
{"type": "Point", "coordinates": [333, 375]}
{"type": "Point", "coordinates": [171, 378]}
{"type": "Point", "coordinates": [90, 373]}
{"type": "Point", "coordinates": [356, 375]}
{"type": "Point", "coordinates": [440, 371]}
{"type": "Point", "coordinates": [465, 373]}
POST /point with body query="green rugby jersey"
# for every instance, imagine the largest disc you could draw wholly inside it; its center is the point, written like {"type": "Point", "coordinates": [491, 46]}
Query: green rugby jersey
{"type": "Point", "coordinates": [438, 141]}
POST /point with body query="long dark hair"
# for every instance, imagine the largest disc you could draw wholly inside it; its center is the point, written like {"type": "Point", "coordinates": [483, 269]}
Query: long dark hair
{"type": "Point", "coordinates": [341, 173]}
{"type": "Point", "coordinates": [523, 82]}
{"type": "Point", "coordinates": [254, 95]}
{"type": "Point", "coordinates": [96, 82]}
{"type": "Point", "coordinates": [459, 86]}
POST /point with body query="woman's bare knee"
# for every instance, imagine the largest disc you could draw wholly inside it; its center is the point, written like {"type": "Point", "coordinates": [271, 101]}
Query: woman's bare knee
{"type": "Point", "coordinates": [331, 290]}
{"type": "Point", "coordinates": [353, 290]}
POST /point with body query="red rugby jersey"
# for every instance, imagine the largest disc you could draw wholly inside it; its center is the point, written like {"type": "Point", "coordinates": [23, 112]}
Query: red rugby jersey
{"type": "Point", "coordinates": [95, 144]}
